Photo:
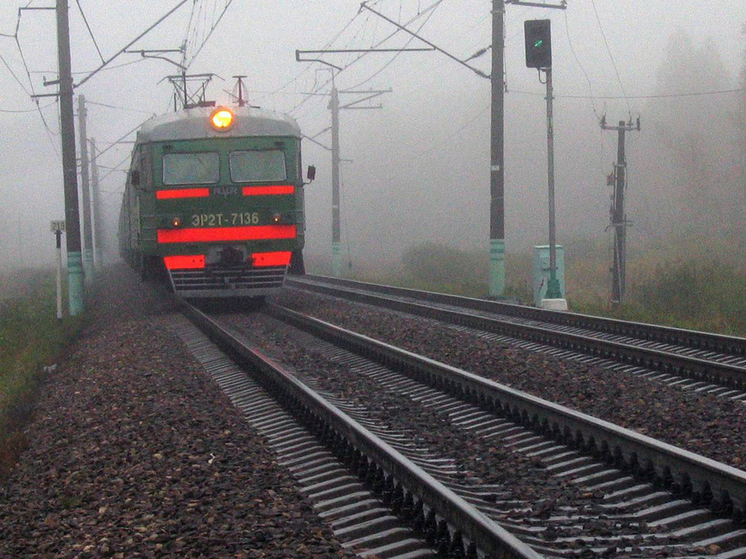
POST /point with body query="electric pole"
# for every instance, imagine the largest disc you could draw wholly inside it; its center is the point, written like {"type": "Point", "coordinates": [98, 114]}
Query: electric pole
{"type": "Point", "coordinates": [84, 179]}
{"type": "Point", "coordinates": [619, 221]}
{"type": "Point", "coordinates": [497, 163]}
{"type": "Point", "coordinates": [69, 168]}
{"type": "Point", "coordinates": [98, 239]}
{"type": "Point", "coordinates": [336, 226]}
{"type": "Point", "coordinates": [335, 107]}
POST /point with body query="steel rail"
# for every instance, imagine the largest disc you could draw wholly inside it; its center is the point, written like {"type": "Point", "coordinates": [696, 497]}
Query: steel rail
{"type": "Point", "coordinates": [486, 535]}
{"type": "Point", "coordinates": [693, 476]}
{"type": "Point", "coordinates": [664, 361]}
{"type": "Point", "coordinates": [708, 341]}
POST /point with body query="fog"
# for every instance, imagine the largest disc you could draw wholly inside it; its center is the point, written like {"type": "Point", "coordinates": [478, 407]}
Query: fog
{"type": "Point", "coordinates": [417, 169]}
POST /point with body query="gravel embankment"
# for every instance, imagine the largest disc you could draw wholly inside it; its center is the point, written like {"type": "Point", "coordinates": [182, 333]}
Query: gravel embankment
{"type": "Point", "coordinates": [708, 425]}
{"type": "Point", "coordinates": [134, 452]}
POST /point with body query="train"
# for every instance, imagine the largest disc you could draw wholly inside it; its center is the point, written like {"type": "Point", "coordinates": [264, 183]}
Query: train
{"type": "Point", "coordinates": [213, 203]}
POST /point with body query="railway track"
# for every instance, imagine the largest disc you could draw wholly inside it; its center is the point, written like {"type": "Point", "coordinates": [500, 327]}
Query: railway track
{"type": "Point", "coordinates": [629, 469]}
{"type": "Point", "coordinates": [690, 360]}
{"type": "Point", "coordinates": [357, 480]}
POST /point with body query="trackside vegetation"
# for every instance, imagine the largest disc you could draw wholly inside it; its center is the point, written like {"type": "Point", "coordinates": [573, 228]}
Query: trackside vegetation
{"type": "Point", "coordinates": [694, 291]}
{"type": "Point", "coordinates": [31, 338]}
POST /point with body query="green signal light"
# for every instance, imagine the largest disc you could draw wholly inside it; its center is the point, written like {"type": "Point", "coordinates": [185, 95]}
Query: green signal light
{"type": "Point", "coordinates": [538, 43]}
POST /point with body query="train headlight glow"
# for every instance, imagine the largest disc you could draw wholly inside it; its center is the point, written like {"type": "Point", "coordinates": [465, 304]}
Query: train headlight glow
{"type": "Point", "coordinates": [277, 217]}
{"type": "Point", "coordinates": [222, 120]}
{"type": "Point", "coordinates": [176, 222]}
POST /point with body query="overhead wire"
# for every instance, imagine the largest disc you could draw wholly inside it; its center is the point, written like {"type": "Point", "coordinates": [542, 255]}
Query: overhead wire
{"type": "Point", "coordinates": [22, 111]}
{"type": "Point", "coordinates": [575, 56]}
{"type": "Point", "coordinates": [12, 73]}
{"type": "Point", "coordinates": [81, 72]}
{"type": "Point", "coordinates": [379, 43]}
{"type": "Point", "coordinates": [393, 58]}
{"type": "Point", "coordinates": [611, 56]}
{"type": "Point", "coordinates": [89, 102]}
{"type": "Point", "coordinates": [453, 134]}
{"type": "Point", "coordinates": [90, 31]}
{"type": "Point", "coordinates": [653, 96]}
{"type": "Point", "coordinates": [212, 29]}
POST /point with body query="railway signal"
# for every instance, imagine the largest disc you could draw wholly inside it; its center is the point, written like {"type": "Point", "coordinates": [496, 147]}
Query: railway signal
{"type": "Point", "coordinates": [539, 55]}
{"type": "Point", "coordinates": [538, 35]}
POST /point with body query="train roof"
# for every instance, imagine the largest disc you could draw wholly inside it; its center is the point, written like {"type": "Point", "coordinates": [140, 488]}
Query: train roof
{"type": "Point", "coordinates": [191, 124]}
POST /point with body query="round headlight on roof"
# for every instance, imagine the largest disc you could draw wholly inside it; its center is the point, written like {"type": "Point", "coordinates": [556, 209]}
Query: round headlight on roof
{"type": "Point", "coordinates": [222, 119]}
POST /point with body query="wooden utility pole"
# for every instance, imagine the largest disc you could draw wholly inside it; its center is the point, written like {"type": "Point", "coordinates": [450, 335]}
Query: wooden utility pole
{"type": "Point", "coordinates": [619, 221]}
{"type": "Point", "coordinates": [69, 167]}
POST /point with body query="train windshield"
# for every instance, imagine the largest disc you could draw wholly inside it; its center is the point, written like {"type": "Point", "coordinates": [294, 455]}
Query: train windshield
{"type": "Point", "coordinates": [191, 168]}
{"type": "Point", "coordinates": [258, 166]}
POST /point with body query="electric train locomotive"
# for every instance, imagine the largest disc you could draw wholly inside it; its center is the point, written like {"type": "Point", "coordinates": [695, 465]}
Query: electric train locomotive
{"type": "Point", "coordinates": [214, 201]}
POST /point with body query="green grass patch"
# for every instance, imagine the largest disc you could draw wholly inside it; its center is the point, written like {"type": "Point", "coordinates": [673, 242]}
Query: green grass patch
{"type": "Point", "coordinates": [31, 338]}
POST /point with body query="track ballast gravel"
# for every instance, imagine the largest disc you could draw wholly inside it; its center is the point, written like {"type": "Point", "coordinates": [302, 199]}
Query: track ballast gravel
{"type": "Point", "coordinates": [707, 425]}
{"type": "Point", "coordinates": [134, 452]}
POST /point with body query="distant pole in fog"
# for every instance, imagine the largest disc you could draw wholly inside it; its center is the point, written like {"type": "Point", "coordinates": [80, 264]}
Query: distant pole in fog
{"type": "Point", "coordinates": [336, 227]}
{"type": "Point", "coordinates": [20, 255]}
{"type": "Point", "coordinates": [85, 187]}
{"type": "Point", "coordinates": [619, 222]}
{"type": "Point", "coordinates": [98, 238]}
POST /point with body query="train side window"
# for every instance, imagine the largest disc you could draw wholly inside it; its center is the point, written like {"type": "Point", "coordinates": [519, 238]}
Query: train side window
{"type": "Point", "coordinates": [258, 166]}
{"type": "Point", "coordinates": [191, 168]}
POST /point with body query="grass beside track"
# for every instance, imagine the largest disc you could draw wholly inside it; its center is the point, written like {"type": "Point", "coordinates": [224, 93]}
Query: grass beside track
{"type": "Point", "coordinates": [703, 291]}
{"type": "Point", "coordinates": [31, 338]}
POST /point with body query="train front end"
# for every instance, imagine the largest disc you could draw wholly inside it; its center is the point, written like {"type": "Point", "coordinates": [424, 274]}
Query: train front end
{"type": "Point", "coordinates": [223, 213]}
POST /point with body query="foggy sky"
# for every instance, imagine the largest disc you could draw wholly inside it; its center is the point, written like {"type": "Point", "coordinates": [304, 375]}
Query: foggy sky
{"type": "Point", "coordinates": [419, 166]}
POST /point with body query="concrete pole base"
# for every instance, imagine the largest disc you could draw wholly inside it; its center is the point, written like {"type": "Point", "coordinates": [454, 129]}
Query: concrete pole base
{"type": "Point", "coordinates": [554, 304]}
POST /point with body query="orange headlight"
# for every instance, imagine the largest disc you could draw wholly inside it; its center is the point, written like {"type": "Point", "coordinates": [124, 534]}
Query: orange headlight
{"type": "Point", "coordinates": [222, 119]}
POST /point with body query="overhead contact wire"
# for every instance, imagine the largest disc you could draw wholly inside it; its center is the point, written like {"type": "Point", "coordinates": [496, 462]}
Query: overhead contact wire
{"type": "Point", "coordinates": [611, 56]}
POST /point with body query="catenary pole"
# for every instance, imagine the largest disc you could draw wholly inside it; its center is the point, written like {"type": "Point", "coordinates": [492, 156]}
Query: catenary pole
{"type": "Point", "coordinates": [336, 228]}
{"type": "Point", "coordinates": [86, 190]}
{"type": "Point", "coordinates": [618, 221]}
{"type": "Point", "coordinates": [69, 169]}
{"type": "Point", "coordinates": [497, 163]}
{"type": "Point", "coordinates": [98, 239]}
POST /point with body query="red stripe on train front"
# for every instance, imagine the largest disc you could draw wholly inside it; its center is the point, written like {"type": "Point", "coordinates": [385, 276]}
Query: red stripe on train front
{"type": "Point", "coordinates": [217, 234]}
{"type": "Point", "coordinates": [183, 193]}
{"type": "Point", "coordinates": [268, 190]}
{"type": "Point", "coordinates": [185, 262]}
{"type": "Point", "coordinates": [260, 259]}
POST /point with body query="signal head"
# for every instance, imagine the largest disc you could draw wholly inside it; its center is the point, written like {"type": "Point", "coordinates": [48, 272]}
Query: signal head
{"type": "Point", "coordinates": [538, 43]}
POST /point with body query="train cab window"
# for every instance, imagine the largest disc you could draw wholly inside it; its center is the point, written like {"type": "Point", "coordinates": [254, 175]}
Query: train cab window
{"type": "Point", "coordinates": [258, 166]}
{"type": "Point", "coordinates": [191, 168]}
